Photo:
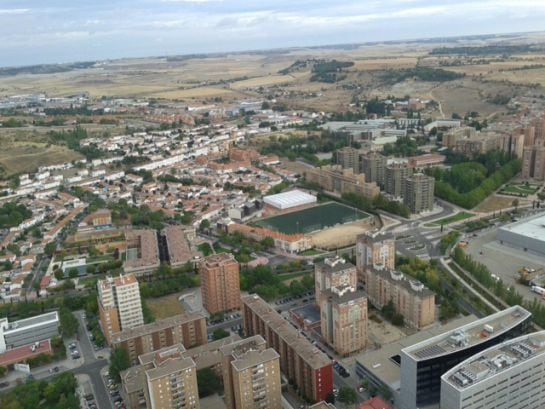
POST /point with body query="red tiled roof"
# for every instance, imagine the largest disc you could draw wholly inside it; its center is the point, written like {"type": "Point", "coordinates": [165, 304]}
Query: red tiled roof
{"type": "Point", "coordinates": [20, 354]}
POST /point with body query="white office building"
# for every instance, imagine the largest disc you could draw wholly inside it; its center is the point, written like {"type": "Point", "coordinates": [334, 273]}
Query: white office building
{"type": "Point", "coordinates": [28, 331]}
{"type": "Point", "coordinates": [508, 375]}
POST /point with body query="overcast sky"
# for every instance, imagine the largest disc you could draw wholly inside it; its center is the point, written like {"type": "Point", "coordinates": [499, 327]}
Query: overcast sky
{"type": "Point", "coordinates": [48, 31]}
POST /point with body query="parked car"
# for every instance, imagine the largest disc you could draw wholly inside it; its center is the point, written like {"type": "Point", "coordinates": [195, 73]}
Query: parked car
{"type": "Point", "coordinates": [4, 384]}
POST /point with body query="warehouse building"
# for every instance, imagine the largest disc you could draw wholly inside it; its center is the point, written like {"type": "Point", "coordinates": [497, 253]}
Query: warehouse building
{"type": "Point", "coordinates": [28, 331]}
{"type": "Point", "coordinates": [526, 235]}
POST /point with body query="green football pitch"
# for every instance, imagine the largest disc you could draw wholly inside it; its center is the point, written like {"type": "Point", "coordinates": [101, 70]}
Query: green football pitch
{"type": "Point", "coordinates": [313, 218]}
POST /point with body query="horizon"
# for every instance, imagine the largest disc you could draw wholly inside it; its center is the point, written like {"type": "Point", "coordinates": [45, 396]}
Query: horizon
{"type": "Point", "coordinates": [60, 32]}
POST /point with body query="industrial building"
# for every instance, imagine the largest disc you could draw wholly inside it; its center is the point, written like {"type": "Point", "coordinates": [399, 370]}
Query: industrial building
{"type": "Point", "coordinates": [526, 235]}
{"type": "Point", "coordinates": [28, 331]}
{"type": "Point", "coordinates": [510, 375]}
{"type": "Point", "coordinates": [423, 364]}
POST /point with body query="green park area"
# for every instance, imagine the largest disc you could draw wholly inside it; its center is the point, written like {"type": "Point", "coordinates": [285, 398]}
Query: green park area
{"type": "Point", "coordinates": [313, 219]}
{"type": "Point", "coordinates": [451, 219]}
{"type": "Point", "coordinates": [521, 190]}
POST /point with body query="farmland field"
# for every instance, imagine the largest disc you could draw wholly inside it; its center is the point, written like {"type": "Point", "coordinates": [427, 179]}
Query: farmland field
{"type": "Point", "coordinates": [313, 219]}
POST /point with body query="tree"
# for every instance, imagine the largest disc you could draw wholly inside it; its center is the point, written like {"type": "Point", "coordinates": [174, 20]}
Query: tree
{"type": "Point", "coordinates": [219, 334]}
{"type": "Point", "coordinates": [348, 396]}
{"type": "Point", "coordinates": [208, 382]}
{"type": "Point", "coordinates": [515, 203]}
{"type": "Point", "coordinates": [73, 273]}
{"type": "Point", "coordinates": [267, 242]}
{"type": "Point", "coordinates": [119, 361]}
{"type": "Point", "coordinates": [205, 224]}
{"type": "Point", "coordinates": [69, 323]}
{"type": "Point", "coordinates": [50, 248]}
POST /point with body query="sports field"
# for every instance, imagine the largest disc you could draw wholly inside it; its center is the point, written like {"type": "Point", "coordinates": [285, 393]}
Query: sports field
{"type": "Point", "coordinates": [313, 219]}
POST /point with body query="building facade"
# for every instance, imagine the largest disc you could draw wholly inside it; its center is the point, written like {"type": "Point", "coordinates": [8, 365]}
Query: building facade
{"type": "Point", "coordinates": [119, 304]}
{"type": "Point", "coordinates": [220, 283]}
{"type": "Point", "coordinates": [373, 165]}
{"type": "Point", "coordinates": [409, 297]}
{"type": "Point", "coordinates": [510, 375]}
{"type": "Point", "coordinates": [251, 375]}
{"type": "Point", "coordinates": [336, 179]}
{"type": "Point", "coordinates": [349, 158]}
{"type": "Point", "coordinates": [301, 362]}
{"type": "Point", "coordinates": [419, 191]}
{"type": "Point", "coordinates": [344, 319]}
{"type": "Point", "coordinates": [394, 178]}
{"type": "Point", "coordinates": [374, 249]}
{"type": "Point", "coordinates": [333, 272]}
{"type": "Point", "coordinates": [423, 364]}
{"type": "Point", "coordinates": [188, 329]}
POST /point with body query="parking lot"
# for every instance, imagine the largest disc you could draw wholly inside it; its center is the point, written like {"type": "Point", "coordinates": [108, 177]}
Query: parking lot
{"type": "Point", "coordinates": [503, 261]}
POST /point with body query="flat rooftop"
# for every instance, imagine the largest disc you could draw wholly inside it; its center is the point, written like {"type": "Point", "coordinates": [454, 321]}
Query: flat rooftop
{"type": "Point", "coordinates": [335, 264]}
{"type": "Point", "coordinates": [468, 335]}
{"type": "Point", "coordinates": [315, 358]}
{"type": "Point", "coordinates": [27, 323]}
{"type": "Point", "coordinates": [253, 357]}
{"type": "Point", "coordinates": [147, 329]}
{"type": "Point", "coordinates": [410, 284]}
{"type": "Point", "coordinates": [145, 241]}
{"type": "Point", "coordinates": [379, 362]}
{"type": "Point", "coordinates": [293, 198]}
{"type": "Point", "coordinates": [533, 228]}
{"type": "Point", "coordinates": [309, 312]}
{"type": "Point", "coordinates": [496, 360]}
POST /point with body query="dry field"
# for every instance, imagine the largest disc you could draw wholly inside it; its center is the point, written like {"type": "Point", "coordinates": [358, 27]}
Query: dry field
{"type": "Point", "coordinates": [165, 307]}
{"type": "Point", "coordinates": [23, 157]}
{"type": "Point", "coordinates": [495, 203]}
{"type": "Point", "coordinates": [341, 236]}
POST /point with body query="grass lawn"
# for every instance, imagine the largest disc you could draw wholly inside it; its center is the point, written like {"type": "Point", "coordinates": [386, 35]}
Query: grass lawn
{"type": "Point", "coordinates": [452, 219]}
{"type": "Point", "coordinates": [313, 219]}
{"type": "Point", "coordinates": [310, 252]}
{"type": "Point", "coordinates": [519, 189]}
{"type": "Point", "coordinates": [164, 307]}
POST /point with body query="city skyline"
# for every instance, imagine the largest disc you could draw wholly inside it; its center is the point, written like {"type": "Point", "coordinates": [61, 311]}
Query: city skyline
{"type": "Point", "coordinates": [59, 31]}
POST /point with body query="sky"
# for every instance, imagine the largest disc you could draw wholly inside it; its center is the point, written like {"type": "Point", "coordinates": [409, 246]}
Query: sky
{"type": "Point", "coordinates": [52, 31]}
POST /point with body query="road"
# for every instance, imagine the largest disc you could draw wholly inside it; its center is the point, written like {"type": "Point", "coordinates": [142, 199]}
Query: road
{"type": "Point", "coordinates": [92, 365]}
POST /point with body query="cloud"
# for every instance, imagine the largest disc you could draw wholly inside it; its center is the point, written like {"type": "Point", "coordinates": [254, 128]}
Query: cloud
{"type": "Point", "coordinates": [13, 11]}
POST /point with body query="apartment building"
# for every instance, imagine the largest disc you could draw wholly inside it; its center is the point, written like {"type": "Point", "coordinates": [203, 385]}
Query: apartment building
{"type": "Point", "coordinates": [409, 296]}
{"type": "Point", "coordinates": [419, 193]}
{"type": "Point", "coordinates": [188, 329]}
{"type": "Point", "coordinates": [394, 178]}
{"type": "Point", "coordinates": [533, 161]}
{"type": "Point", "coordinates": [336, 179]}
{"type": "Point", "coordinates": [344, 319]}
{"type": "Point", "coordinates": [220, 283]}
{"type": "Point", "coordinates": [374, 249]}
{"type": "Point", "coordinates": [178, 248]}
{"type": "Point", "coordinates": [119, 304]}
{"type": "Point", "coordinates": [333, 272]}
{"type": "Point", "coordinates": [251, 375]}
{"type": "Point", "coordinates": [373, 165]}
{"type": "Point", "coordinates": [426, 161]}
{"type": "Point", "coordinates": [142, 255]}
{"type": "Point", "coordinates": [309, 368]}
{"type": "Point", "coordinates": [349, 158]}
{"type": "Point", "coordinates": [164, 379]}
{"type": "Point", "coordinates": [510, 375]}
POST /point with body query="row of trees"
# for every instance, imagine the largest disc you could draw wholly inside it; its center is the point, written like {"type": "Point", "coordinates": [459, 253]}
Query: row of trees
{"type": "Point", "coordinates": [379, 202]}
{"type": "Point", "coordinates": [268, 285]}
{"type": "Point", "coordinates": [471, 198]}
